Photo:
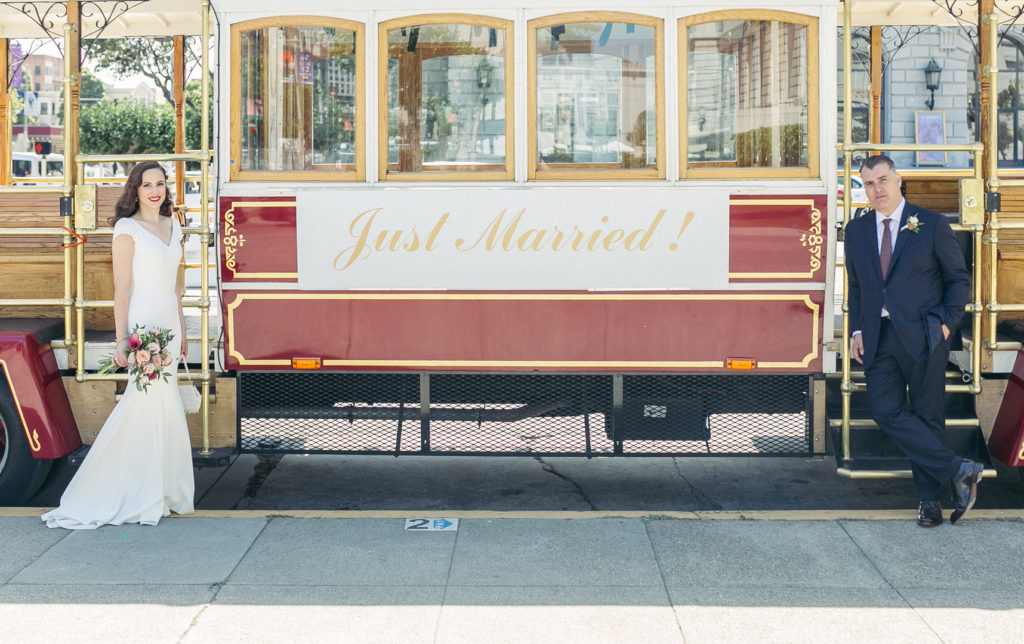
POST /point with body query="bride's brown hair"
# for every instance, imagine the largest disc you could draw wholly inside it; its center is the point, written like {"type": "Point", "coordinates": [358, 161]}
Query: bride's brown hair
{"type": "Point", "coordinates": [128, 203]}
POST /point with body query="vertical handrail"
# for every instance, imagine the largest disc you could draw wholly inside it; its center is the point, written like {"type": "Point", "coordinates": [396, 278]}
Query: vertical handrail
{"type": "Point", "coordinates": [68, 80]}
{"type": "Point", "coordinates": [992, 218]}
{"type": "Point", "coordinates": [846, 387]}
{"type": "Point", "coordinates": [77, 339]}
{"type": "Point", "coordinates": [204, 215]}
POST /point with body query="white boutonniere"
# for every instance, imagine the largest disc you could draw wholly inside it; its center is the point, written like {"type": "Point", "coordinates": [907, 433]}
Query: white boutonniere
{"type": "Point", "coordinates": [913, 224]}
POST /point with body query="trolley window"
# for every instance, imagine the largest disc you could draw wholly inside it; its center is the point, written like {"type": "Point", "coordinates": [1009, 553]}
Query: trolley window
{"type": "Point", "coordinates": [748, 95]}
{"type": "Point", "coordinates": [296, 99]}
{"type": "Point", "coordinates": [596, 97]}
{"type": "Point", "coordinates": [445, 98]}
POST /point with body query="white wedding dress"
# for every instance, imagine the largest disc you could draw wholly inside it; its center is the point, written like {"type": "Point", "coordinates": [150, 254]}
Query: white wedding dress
{"type": "Point", "coordinates": [140, 467]}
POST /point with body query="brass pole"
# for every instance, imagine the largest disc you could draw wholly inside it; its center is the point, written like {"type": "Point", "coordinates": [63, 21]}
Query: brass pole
{"type": "Point", "coordinates": [846, 387]}
{"type": "Point", "coordinates": [991, 21]}
{"type": "Point", "coordinates": [71, 53]}
{"type": "Point", "coordinates": [977, 237]}
{"type": "Point", "coordinates": [205, 239]}
{"type": "Point", "coordinates": [72, 63]}
{"type": "Point", "coordinates": [5, 115]}
{"type": "Point", "coordinates": [179, 118]}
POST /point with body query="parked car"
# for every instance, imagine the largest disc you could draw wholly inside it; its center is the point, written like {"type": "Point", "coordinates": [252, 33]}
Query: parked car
{"type": "Point", "coordinates": [858, 196]}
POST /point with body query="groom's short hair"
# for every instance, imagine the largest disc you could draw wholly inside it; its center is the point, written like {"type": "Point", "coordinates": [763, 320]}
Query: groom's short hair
{"type": "Point", "coordinates": [878, 159]}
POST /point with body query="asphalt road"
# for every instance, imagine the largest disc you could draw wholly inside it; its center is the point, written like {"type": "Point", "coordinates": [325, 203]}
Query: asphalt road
{"type": "Point", "coordinates": [429, 483]}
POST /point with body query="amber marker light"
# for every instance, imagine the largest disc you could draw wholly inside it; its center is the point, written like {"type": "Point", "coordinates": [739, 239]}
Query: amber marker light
{"type": "Point", "coordinates": [305, 363]}
{"type": "Point", "coordinates": [741, 364]}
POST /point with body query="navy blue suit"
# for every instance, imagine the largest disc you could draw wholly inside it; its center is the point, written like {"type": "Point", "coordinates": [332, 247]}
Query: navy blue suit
{"type": "Point", "coordinates": [927, 286]}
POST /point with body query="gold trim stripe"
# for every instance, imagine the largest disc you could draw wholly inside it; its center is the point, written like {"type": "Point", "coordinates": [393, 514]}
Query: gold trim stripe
{"type": "Point", "coordinates": [568, 297]}
{"type": "Point", "coordinates": [259, 204]}
{"type": "Point", "coordinates": [33, 437]}
{"type": "Point", "coordinates": [773, 202]}
{"type": "Point", "coordinates": [732, 202]}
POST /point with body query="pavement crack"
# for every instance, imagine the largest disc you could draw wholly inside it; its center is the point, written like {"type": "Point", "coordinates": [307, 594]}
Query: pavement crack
{"type": "Point", "coordinates": [195, 618]}
{"type": "Point", "coordinates": [579, 489]}
{"type": "Point", "coordinates": [704, 502]}
{"type": "Point", "coordinates": [867, 557]}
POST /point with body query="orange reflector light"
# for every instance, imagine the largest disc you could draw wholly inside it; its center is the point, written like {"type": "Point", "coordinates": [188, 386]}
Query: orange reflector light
{"type": "Point", "coordinates": [741, 364]}
{"type": "Point", "coordinates": [305, 363]}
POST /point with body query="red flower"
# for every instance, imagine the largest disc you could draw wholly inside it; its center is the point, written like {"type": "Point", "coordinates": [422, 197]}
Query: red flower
{"type": "Point", "coordinates": [153, 375]}
{"type": "Point", "coordinates": [134, 341]}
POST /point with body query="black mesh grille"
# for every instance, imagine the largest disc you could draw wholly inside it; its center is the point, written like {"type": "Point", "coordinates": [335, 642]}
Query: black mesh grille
{"type": "Point", "coordinates": [523, 414]}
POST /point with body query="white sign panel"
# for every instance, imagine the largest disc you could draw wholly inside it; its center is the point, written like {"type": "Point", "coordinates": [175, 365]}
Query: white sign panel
{"type": "Point", "coordinates": [500, 239]}
{"type": "Point", "coordinates": [432, 525]}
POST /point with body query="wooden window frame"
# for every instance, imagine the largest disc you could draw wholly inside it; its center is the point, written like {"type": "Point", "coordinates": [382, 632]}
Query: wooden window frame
{"type": "Point", "coordinates": [506, 174]}
{"type": "Point", "coordinates": [595, 173]}
{"type": "Point", "coordinates": [236, 172]}
{"type": "Point", "coordinates": [811, 170]}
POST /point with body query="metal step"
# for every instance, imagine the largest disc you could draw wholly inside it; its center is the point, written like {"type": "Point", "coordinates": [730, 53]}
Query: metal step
{"type": "Point", "coordinates": [874, 455]}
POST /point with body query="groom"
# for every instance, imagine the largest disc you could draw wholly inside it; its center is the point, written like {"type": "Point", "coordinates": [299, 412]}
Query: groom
{"type": "Point", "coordinates": [908, 287]}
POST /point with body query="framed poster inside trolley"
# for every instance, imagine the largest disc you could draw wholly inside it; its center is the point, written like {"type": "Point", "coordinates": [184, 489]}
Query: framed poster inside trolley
{"type": "Point", "coordinates": [930, 127]}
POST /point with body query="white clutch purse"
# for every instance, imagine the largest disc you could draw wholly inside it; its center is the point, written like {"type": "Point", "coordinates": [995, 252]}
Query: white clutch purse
{"type": "Point", "coordinates": [191, 399]}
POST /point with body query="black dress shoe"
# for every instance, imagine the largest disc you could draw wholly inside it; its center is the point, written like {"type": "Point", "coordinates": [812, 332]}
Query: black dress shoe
{"type": "Point", "coordinates": [965, 488]}
{"type": "Point", "coordinates": [929, 514]}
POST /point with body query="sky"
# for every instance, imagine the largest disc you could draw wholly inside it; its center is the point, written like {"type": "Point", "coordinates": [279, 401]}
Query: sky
{"type": "Point", "coordinates": [108, 77]}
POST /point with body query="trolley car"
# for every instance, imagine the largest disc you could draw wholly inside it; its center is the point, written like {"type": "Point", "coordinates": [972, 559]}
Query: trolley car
{"type": "Point", "coordinates": [582, 229]}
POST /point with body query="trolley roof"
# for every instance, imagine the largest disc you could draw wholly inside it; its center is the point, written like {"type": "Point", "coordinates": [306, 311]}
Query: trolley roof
{"type": "Point", "coordinates": [102, 19]}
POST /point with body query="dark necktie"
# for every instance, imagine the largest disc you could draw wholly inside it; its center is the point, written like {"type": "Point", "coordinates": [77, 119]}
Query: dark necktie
{"type": "Point", "coordinates": [885, 254]}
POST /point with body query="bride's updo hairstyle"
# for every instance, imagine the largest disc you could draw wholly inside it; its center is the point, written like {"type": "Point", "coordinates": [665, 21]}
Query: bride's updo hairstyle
{"type": "Point", "coordinates": [128, 203]}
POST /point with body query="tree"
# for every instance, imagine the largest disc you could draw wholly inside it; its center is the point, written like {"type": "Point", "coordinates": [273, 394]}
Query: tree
{"type": "Point", "coordinates": [126, 127]}
{"type": "Point", "coordinates": [150, 57]}
{"type": "Point", "coordinates": [91, 91]}
{"type": "Point", "coordinates": [91, 86]}
{"type": "Point", "coordinates": [193, 100]}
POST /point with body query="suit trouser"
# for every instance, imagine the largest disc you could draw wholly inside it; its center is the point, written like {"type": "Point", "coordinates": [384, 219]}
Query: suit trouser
{"type": "Point", "coordinates": [917, 429]}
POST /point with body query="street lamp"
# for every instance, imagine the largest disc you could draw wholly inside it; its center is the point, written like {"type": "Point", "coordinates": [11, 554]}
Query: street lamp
{"type": "Point", "coordinates": [931, 81]}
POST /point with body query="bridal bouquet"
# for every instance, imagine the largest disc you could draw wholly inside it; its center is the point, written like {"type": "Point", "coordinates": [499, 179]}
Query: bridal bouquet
{"type": "Point", "coordinates": [147, 356]}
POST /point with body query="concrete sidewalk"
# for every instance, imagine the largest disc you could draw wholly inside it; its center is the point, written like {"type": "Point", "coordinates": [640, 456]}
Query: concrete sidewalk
{"type": "Point", "coordinates": [527, 577]}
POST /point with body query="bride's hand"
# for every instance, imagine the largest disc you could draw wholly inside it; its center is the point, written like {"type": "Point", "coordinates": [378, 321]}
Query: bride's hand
{"type": "Point", "coordinates": [119, 357]}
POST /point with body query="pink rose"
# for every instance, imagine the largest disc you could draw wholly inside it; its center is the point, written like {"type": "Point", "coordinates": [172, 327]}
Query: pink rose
{"type": "Point", "coordinates": [134, 341]}
{"type": "Point", "coordinates": [154, 330]}
{"type": "Point", "coordinates": [153, 347]}
{"type": "Point", "coordinates": [142, 357]}
{"type": "Point", "coordinates": [158, 361]}
{"type": "Point", "coordinates": [149, 369]}
{"type": "Point", "coordinates": [168, 360]}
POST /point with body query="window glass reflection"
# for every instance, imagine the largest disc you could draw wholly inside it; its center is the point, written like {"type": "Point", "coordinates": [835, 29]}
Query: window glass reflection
{"type": "Point", "coordinates": [446, 98]}
{"type": "Point", "coordinates": [298, 96]}
{"type": "Point", "coordinates": [746, 94]}
{"type": "Point", "coordinates": [596, 96]}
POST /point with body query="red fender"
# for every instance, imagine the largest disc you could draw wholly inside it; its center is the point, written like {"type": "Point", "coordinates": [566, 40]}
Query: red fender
{"type": "Point", "coordinates": [31, 374]}
{"type": "Point", "coordinates": [1007, 440]}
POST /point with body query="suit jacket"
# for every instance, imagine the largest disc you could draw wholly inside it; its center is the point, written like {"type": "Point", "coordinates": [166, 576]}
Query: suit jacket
{"type": "Point", "coordinates": [927, 286]}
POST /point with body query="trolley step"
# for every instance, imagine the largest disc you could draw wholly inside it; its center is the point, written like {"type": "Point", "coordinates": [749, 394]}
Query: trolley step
{"type": "Point", "coordinates": [871, 451]}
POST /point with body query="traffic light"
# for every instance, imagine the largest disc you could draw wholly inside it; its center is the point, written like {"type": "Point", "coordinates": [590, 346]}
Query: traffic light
{"type": "Point", "coordinates": [43, 148]}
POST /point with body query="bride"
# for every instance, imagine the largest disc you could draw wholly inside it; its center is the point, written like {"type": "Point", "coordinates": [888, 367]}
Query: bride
{"type": "Point", "coordinates": [140, 467]}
